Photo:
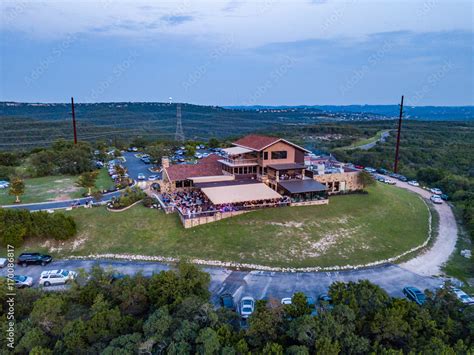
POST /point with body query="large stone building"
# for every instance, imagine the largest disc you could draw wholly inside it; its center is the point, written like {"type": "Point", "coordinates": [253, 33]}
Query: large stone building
{"type": "Point", "coordinates": [279, 164]}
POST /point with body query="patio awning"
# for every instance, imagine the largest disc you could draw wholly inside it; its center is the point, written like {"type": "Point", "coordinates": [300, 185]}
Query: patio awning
{"type": "Point", "coordinates": [236, 150]}
{"type": "Point", "coordinates": [239, 193]}
{"type": "Point", "coordinates": [302, 186]}
{"type": "Point", "coordinates": [287, 166]}
{"type": "Point", "coordinates": [201, 179]}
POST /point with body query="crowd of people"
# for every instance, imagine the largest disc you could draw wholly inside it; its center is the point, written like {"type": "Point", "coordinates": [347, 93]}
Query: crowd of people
{"type": "Point", "coordinates": [195, 203]}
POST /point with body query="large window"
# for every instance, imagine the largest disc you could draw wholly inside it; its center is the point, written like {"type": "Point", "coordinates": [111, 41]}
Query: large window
{"type": "Point", "coordinates": [281, 154]}
{"type": "Point", "coordinates": [265, 155]}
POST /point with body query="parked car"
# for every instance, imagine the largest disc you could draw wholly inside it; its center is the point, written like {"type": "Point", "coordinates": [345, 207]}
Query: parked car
{"type": "Point", "coordinates": [26, 259]}
{"type": "Point", "coordinates": [414, 294]}
{"type": "Point", "coordinates": [3, 262]}
{"type": "Point", "coordinates": [413, 183]}
{"type": "Point", "coordinates": [141, 176]}
{"type": "Point", "coordinates": [444, 197]}
{"type": "Point", "coordinates": [146, 160]}
{"type": "Point", "coordinates": [325, 301]}
{"type": "Point", "coordinates": [402, 178]}
{"type": "Point", "coordinates": [286, 300]}
{"type": "Point", "coordinates": [312, 305]}
{"type": "Point", "coordinates": [153, 177]}
{"type": "Point", "coordinates": [4, 184]}
{"type": "Point", "coordinates": [463, 296]}
{"type": "Point", "coordinates": [390, 182]}
{"type": "Point", "coordinates": [56, 277]}
{"type": "Point", "coordinates": [370, 170]}
{"type": "Point", "coordinates": [436, 191]}
{"type": "Point", "coordinates": [360, 167]}
{"type": "Point", "coordinates": [436, 199]}
{"type": "Point", "coordinates": [227, 301]}
{"type": "Point", "coordinates": [23, 281]}
{"type": "Point", "coordinates": [247, 306]}
{"type": "Point", "coordinates": [382, 171]}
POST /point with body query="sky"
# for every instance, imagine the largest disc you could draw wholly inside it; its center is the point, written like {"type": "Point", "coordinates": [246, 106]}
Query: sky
{"type": "Point", "coordinates": [260, 52]}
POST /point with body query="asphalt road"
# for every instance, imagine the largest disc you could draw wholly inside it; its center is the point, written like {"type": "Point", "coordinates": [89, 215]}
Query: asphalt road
{"type": "Point", "coordinates": [258, 284]}
{"type": "Point", "coordinates": [383, 137]}
{"type": "Point", "coordinates": [54, 205]}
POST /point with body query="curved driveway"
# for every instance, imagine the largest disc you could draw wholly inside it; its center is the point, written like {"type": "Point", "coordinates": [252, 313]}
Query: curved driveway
{"type": "Point", "coordinates": [431, 261]}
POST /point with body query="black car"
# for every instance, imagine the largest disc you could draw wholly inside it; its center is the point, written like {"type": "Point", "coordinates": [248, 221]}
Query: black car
{"type": "Point", "coordinates": [26, 259]}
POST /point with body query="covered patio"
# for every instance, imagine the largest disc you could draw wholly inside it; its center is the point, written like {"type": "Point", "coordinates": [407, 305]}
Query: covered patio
{"type": "Point", "coordinates": [304, 191]}
{"type": "Point", "coordinates": [240, 193]}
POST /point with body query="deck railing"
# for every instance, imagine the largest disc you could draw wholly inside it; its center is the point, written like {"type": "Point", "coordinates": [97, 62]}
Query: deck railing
{"type": "Point", "coordinates": [240, 161]}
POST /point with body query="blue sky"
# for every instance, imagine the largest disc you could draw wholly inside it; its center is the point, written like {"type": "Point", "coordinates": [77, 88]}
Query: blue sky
{"type": "Point", "coordinates": [265, 52]}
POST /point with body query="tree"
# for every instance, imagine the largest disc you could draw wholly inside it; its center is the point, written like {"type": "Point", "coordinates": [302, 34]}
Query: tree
{"type": "Point", "coordinates": [213, 143]}
{"type": "Point", "coordinates": [87, 180]}
{"type": "Point", "coordinates": [190, 150]}
{"type": "Point", "coordinates": [365, 179]}
{"type": "Point", "coordinates": [17, 188]}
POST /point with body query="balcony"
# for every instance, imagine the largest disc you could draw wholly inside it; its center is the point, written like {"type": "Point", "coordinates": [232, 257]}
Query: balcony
{"type": "Point", "coordinates": [239, 162]}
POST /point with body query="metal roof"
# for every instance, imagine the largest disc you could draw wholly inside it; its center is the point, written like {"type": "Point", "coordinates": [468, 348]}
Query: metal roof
{"type": "Point", "coordinates": [302, 186]}
{"type": "Point", "coordinates": [286, 166]}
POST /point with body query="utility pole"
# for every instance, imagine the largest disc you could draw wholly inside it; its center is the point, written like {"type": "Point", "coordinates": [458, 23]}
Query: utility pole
{"type": "Point", "coordinates": [397, 149]}
{"type": "Point", "coordinates": [74, 120]}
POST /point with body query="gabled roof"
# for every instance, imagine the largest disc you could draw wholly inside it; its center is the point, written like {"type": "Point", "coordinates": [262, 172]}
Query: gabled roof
{"type": "Point", "coordinates": [258, 142]}
{"type": "Point", "coordinates": [208, 166]}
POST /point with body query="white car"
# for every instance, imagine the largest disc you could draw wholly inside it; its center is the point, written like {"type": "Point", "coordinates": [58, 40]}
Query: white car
{"type": "Point", "coordinates": [141, 176]}
{"type": "Point", "coordinates": [413, 183]}
{"type": "Point", "coordinates": [286, 300]}
{"type": "Point", "coordinates": [463, 296]}
{"type": "Point", "coordinates": [4, 184]}
{"type": "Point", "coordinates": [436, 199]}
{"type": "Point", "coordinates": [3, 262]}
{"type": "Point", "coordinates": [153, 177]}
{"type": "Point", "coordinates": [23, 281]}
{"type": "Point", "coordinates": [247, 306]}
{"type": "Point", "coordinates": [56, 277]}
{"type": "Point", "coordinates": [436, 191]}
{"type": "Point", "coordinates": [390, 182]}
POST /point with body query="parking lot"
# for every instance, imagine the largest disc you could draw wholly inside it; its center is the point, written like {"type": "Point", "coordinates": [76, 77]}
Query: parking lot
{"type": "Point", "coordinates": [257, 284]}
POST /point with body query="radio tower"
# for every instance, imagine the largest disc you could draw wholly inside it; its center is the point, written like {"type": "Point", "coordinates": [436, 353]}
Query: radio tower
{"type": "Point", "coordinates": [179, 135]}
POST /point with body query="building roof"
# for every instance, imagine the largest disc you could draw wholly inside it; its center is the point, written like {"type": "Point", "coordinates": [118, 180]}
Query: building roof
{"type": "Point", "coordinates": [225, 183]}
{"type": "Point", "coordinates": [287, 166]}
{"type": "Point", "coordinates": [208, 166]}
{"type": "Point", "coordinates": [258, 142]}
{"type": "Point", "coordinates": [240, 193]}
{"type": "Point", "coordinates": [302, 186]}
{"type": "Point", "coordinates": [236, 150]}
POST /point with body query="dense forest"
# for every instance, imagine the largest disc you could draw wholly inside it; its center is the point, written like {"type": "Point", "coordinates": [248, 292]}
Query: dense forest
{"type": "Point", "coordinates": [171, 313]}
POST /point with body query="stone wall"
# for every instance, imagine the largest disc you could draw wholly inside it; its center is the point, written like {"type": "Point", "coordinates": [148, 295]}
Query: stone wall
{"type": "Point", "coordinates": [339, 182]}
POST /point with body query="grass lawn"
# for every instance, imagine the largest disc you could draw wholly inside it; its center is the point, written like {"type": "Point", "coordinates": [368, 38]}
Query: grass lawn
{"type": "Point", "coordinates": [352, 229]}
{"type": "Point", "coordinates": [49, 188]}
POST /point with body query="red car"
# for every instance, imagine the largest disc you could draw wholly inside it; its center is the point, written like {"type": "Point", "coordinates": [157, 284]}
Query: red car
{"type": "Point", "coordinates": [358, 167]}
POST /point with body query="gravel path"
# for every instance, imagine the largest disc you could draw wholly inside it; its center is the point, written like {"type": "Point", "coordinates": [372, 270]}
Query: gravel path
{"type": "Point", "coordinates": [430, 262]}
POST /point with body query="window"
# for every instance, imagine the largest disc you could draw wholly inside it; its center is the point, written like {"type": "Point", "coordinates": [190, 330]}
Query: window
{"type": "Point", "coordinates": [265, 155]}
{"type": "Point", "coordinates": [280, 154]}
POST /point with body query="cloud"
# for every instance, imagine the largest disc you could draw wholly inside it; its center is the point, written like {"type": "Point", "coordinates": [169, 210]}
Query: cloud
{"type": "Point", "coordinates": [177, 19]}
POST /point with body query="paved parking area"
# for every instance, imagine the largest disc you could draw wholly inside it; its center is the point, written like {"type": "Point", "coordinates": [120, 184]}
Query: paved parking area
{"type": "Point", "coordinates": [258, 284]}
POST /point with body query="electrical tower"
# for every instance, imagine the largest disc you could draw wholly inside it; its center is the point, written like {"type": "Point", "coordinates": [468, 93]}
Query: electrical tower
{"type": "Point", "coordinates": [397, 148]}
{"type": "Point", "coordinates": [179, 135]}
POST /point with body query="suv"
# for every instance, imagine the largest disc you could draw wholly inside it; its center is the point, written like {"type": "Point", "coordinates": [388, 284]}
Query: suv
{"type": "Point", "coordinates": [56, 277]}
{"type": "Point", "coordinates": [26, 259]}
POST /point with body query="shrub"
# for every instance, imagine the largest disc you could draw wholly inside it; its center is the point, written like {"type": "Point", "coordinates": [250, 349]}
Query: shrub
{"type": "Point", "coordinates": [18, 225]}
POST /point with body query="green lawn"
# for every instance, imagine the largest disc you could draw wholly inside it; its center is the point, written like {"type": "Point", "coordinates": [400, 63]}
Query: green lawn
{"type": "Point", "coordinates": [50, 188]}
{"type": "Point", "coordinates": [352, 229]}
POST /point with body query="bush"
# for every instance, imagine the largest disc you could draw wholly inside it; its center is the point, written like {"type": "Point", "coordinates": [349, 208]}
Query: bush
{"type": "Point", "coordinates": [127, 198]}
{"type": "Point", "coordinates": [18, 225]}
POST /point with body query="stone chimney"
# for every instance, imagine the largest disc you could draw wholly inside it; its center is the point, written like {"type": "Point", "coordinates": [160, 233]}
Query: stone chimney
{"type": "Point", "coordinates": [165, 162]}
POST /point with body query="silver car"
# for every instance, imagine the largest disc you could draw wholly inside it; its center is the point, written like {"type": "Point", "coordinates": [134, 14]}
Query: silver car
{"type": "Point", "coordinates": [23, 281]}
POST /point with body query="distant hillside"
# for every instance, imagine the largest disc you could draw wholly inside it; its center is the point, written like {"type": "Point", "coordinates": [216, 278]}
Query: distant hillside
{"type": "Point", "coordinates": [27, 125]}
{"type": "Point", "coordinates": [427, 113]}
